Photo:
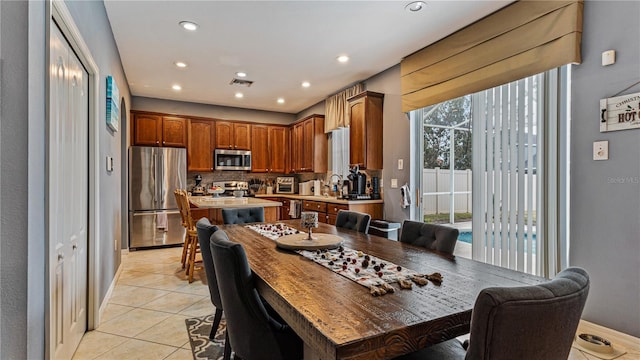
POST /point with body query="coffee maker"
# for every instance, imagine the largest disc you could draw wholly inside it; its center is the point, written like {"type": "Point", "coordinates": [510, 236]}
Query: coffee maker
{"type": "Point", "coordinates": [358, 183]}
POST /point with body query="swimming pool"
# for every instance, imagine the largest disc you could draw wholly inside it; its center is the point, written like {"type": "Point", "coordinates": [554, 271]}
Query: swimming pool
{"type": "Point", "coordinates": [465, 236]}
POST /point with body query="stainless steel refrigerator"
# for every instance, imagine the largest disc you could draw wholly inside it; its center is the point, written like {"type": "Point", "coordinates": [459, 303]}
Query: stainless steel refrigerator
{"type": "Point", "coordinates": [154, 173]}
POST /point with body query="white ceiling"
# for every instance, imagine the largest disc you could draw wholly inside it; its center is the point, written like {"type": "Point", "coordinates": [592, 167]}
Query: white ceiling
{"type": "Point", "coordinates": [278, 43]}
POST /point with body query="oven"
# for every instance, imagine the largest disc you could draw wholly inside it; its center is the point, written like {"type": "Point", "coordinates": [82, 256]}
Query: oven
{"type": "Point", "coordinates": [285, 185]}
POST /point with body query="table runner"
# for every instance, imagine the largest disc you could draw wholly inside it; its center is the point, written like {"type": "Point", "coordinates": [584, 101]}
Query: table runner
{"type": "Point", "coordinates": [367, 270]}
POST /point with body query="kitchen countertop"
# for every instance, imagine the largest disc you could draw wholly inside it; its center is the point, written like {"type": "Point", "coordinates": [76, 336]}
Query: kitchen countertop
{"type": "Point", "coordinates": [231, 202]}
{"type": "Point", "coordinates": [328, 199]}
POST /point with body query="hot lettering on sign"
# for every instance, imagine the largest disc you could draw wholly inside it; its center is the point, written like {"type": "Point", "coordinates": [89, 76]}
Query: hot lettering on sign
{"type": "Point", "coordinates": [620, 113]}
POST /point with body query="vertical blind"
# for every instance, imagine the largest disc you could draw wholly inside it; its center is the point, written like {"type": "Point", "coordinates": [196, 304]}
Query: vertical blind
{"type": "Point", "coordinates": [508, 176]}
{"type": "Point", "coordinates": [520, 40]}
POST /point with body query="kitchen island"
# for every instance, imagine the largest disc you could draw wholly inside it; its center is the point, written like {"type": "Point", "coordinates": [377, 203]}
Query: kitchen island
{"type": "Point", "coordinates": [211, 207]}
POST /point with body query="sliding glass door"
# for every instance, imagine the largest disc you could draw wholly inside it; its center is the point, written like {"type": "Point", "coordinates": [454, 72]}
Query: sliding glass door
{"type": "Point", "coordinates": [488, 165]}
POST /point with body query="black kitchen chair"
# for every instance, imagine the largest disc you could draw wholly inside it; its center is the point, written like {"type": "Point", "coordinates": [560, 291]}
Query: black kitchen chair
{"type": "Point", "coordinates": [524, 323]}
{"type": "Point", "coordinates": [253, 332]}
{"type": "Point", "coordinates": [353, 220]}
{"type": "Point", "coordinates": [431, 236]}
{"type": "Point", "coordinates": [205, 230]}
{"type": "Point", "coordinates": [243, 215]}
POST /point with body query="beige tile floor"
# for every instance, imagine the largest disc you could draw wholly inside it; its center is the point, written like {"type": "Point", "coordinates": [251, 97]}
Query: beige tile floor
{"type": "Point", "coordinates": [144, 318]}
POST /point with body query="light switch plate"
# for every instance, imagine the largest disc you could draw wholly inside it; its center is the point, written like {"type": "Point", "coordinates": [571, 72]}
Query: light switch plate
{"type": "Point", "coordinates": [400, 164]}
{"type": "Point", "coordinates": [394, 183]}
{"type": "Point", "coordinates": [601, 150]}
{"type": "Point", "coordinates": [608, 57]}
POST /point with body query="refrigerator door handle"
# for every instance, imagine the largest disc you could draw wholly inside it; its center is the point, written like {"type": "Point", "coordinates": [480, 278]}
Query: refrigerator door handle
{"type": "Point", "coordinates": [147, 213]}
{"type": "Point", "coordinates": [154, 163]}
{"type": "Point", "coordinates": [161, 186]}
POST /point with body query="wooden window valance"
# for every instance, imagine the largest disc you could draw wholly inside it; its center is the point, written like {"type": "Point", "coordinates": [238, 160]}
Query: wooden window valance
{"type": "Point", "coordinates": [519, 40]}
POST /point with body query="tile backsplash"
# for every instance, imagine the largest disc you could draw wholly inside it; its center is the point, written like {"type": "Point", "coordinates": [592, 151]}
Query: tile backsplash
{"type": "Point", "coordinates": [210, 177]}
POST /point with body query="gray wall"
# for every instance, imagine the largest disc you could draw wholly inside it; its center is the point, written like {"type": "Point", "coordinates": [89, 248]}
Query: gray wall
{"type": "Point", "coordinates": [395, 142]}
{"type": "Point", "coordinates": [91, 19]}
{"type": "Point", "coordinates": [605, 195]}
{"type": "Point", "coordinates": [211, 111]}
{"type": "Point", "coordinates": [13, 180]}
{"type": "Point", "coordinates": [311, 110]}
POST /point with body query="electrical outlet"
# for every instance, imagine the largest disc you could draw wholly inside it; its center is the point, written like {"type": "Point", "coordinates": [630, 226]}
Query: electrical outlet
{"type": "Point", "coordinates": [600, 150]}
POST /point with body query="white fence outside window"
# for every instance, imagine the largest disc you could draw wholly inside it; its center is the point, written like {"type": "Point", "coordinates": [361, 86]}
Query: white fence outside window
{"type": "Point", "coordinates": [436, 191]}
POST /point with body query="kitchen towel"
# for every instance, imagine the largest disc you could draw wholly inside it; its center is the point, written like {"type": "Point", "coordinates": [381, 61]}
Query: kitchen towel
{"type": "Point", "coordinates": [162, 221]}
{"type": "Point", "coordinates": [405, 201]}
{"type": "Point", "coordinates": [294, 209]}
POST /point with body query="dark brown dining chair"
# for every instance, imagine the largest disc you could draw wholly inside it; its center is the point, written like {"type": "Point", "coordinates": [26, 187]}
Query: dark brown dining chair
{"type": "Point", "coordinates": [431, 236]}
{"type": "Point", "coordinates": [353, 220]}
{"type": "Point", "coordinates": [243, 215]}
{"type": "Point", "coordinates": [524, 323]}
{"type": "Point", "coordinates": [205, 230]}
{"type": "Point", "coordinates": [252, 331]}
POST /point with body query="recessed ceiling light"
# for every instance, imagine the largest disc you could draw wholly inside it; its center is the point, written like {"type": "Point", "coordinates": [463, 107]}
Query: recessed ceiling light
{"type": "Point", "coordinates": [176, 87]}
{"type": "Point", "coordinates": [280, 101]}
{"type": "Point", "coordinates": [239, 95]}
{"type": "Point", "coordinates": [189, 25]}
{"type": "Point", "coordinates": [306, 84]}
{"type": "Point", "coordinates": [181, 64]}
{"type": "Point", "coordinates": [414, 6]}
{"type": "Point", "coordinates": [343, 58]}
{"type": "Point", "coordinates": [241, 74]}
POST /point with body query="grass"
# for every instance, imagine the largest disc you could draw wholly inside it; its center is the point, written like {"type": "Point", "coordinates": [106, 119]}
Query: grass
{"type": "Point", "coordinates": [444, 218]}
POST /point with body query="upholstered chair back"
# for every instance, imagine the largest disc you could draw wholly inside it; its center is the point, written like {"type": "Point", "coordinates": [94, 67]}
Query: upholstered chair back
{"type": "Point", "coordinates": [253, 333]}
{"type": "Point", "coordinates": [243, 215]}
{"type": "Point", "coordinates": [205, 230]}
{"type": "Point", "coordinates": [431, 236]}
{"type": "Point", "coordinates": [353, 220]}
{"type": "Point", "coordinates": [529, 322]}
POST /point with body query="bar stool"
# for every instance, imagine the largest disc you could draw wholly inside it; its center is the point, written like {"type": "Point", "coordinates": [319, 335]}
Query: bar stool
{"type": "Point", "coordinates": [190, 247]}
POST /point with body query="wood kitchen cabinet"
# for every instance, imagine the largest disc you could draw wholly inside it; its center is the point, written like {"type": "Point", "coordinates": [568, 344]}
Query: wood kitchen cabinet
{"type": "Point", "coordinates": [233, 135]}
{"type": "Point", "coordinates": [309, 145]}
{"type": "Point", "coordinates": [269, 148]}
{"type": "Point", "coordinates": [157, 130]}
{"type": "Point", "coordinates": [317, 206]}
{"type": "Point", "coordinates": [201, 144]}
{"type": "Point", "coordinates": [328, 211]}
{"type": "Point", "coordinates": [365, 130]}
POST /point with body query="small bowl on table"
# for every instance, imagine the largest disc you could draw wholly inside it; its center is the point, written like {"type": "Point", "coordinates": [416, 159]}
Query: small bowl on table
{"type": "Point", "coordinates": [238, 193]}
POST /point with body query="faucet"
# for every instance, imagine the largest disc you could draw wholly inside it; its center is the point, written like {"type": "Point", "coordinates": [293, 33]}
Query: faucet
{"type": "Point", "coordinates": [339, 189]}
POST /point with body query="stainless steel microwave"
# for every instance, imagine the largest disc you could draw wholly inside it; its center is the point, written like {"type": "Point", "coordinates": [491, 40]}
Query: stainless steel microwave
{"type": "Point", "coordinates": [232, 159]}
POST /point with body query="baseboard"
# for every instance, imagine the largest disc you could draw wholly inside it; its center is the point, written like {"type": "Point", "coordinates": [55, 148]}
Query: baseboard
{"type": "Point", "coordinates": [107, 297]}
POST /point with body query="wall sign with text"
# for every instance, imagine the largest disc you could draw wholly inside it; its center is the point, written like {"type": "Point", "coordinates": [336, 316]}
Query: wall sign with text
{"type": "Point", "coordinates": [620, 113]}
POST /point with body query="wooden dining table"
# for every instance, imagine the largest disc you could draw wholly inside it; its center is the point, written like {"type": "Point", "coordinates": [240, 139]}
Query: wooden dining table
{"type": "Point", "coordinates": [338, 318]}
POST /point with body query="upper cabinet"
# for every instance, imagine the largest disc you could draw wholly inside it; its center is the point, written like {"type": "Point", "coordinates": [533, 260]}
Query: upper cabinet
{"type": "Point", "coordinates": [259, 148]}
{"type": "Point", "coordinates": [365, 130]}
{"type": "Point", "coordinates": [157, 130]}
{"type": "Point", "coordinates": [233, 135]}
{"type": "Point", "coordinates": [309, 145]}
{"type": "Point", "coordinates": [269, 152]}
{"type": "Point", "coordinates": [278, 148]}
{"type": "Point", "coordinates": [201, 144]}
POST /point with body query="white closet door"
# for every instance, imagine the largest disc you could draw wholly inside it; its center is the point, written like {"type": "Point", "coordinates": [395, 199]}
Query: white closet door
{"type": "Point", "coordinates": [67, 197]}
